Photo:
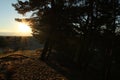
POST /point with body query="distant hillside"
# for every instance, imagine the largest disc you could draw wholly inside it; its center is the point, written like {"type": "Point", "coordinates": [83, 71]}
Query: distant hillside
{"type": "Point", "coordinates": [33, 43]}
{"type": "Point", "coordinates": [22, 42]}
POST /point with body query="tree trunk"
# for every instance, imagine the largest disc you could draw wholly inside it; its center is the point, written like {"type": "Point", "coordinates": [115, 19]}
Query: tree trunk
{"type": "Point", "coordinates": [49, 50]}
{"type": "Point", "coordinates": [108, 60]}
{"type": "Point", "coordinates": [45, 49]}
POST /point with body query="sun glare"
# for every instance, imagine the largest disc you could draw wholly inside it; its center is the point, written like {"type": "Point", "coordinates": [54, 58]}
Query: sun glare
{"type": "Point", "coordinates": [24, 28]}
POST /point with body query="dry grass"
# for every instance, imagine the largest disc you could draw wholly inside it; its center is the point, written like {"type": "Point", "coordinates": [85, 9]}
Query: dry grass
{"type": "Point", "coordinates": [27, 68]}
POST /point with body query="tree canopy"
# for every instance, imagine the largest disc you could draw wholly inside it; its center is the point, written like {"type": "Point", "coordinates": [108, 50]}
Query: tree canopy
{"type": "Point", "coordinates": [80, 27]}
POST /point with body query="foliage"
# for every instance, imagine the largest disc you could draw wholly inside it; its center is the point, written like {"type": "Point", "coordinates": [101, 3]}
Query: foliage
{"type": "Point", "coordinates": [83, 29]}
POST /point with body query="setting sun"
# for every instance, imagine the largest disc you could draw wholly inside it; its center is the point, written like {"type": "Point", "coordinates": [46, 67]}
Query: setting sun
{"type": "Point", "coordinates": [24, 28]}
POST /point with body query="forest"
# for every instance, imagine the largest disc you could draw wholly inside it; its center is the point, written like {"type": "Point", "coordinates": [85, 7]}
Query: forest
{"type": "Point", "coordinates": [81, 35]}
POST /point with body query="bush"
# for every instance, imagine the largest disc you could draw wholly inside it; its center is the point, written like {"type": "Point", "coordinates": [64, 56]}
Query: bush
{"type": "Point", "coordinates": [2, 42]}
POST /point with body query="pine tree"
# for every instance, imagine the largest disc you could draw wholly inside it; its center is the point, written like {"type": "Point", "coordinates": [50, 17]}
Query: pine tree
{"type": "Point", "coordinates": [80, 27]}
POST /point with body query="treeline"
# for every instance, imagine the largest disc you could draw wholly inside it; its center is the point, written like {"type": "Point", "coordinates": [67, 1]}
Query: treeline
{"type": "Point", "coordinates": [16, 43]}
{"type": "Point", "coordinates": [85, 32]}
{"type": "Point", "coordinates": [11, 43]}
{"type": "Point", "coordinates": [3, 42]}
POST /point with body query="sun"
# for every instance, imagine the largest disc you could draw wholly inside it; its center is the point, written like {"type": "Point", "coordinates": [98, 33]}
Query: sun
{"type": "Point", "coordinates": [24, 28]}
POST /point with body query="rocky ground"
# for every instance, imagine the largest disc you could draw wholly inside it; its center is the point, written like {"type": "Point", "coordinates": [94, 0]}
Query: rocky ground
{"type": "Point", "coordinates": [22, 67]}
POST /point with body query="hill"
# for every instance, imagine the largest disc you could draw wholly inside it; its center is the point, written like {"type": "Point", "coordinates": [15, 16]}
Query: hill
{"type": "Point", "coordinates": [14, 43]}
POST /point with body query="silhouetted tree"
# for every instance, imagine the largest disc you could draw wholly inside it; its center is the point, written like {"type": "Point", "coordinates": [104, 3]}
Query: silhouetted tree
{"type": "Point", "coordinates": [80, 27]}
{"type": "Point", "coordinates": [48, 20]}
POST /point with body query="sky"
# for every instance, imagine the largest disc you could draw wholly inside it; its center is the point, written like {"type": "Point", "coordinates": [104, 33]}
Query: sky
{"type": "Point", "coordinates": [8, 15]}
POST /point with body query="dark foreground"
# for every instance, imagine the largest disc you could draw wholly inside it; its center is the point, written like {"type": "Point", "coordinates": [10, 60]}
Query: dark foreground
{"type": "Point", "coordinates": [21, 67]}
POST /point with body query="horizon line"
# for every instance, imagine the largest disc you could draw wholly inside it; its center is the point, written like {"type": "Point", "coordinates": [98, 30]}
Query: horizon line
{"type": "Point", "coordinates": [14, 34]}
